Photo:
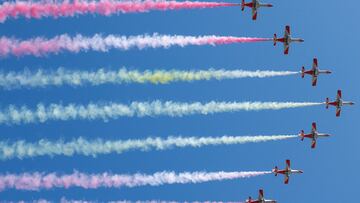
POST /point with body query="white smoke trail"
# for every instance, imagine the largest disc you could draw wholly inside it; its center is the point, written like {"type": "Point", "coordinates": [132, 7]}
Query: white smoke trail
{"type": "Point", "coordinates": [63, 200]}
{"type": "Point", "coordinates": [92, 111]}
{"type": "Point", "coordinates": [44, 201]}
{"type": "Point", "coordinates": [37, 181]}
{"type": "Point", "coordinates": [82, 146]}
{"type": "Point", "coordinates": [43, 78]}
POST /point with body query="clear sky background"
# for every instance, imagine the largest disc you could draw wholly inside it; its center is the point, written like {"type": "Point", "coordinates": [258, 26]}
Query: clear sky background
{"type": "Point", "coordinates": [331, 33]}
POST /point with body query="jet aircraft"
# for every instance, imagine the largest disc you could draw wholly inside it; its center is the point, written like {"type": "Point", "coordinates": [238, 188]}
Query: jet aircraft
{"type": "Point", "coordinates": [254, 5]}
{"type": "Point", "coordinates": [314, 72]}
{"type": "Point", "coordinates": [287, 39]}
{"type": "Point", "coordinates": [286, 172]}
{"type": "Point", "coordinates": [261, 199]}
{"type": "Point", "coordinates": [338, 103]}
{"type": "Point", "coordinates": [314, 135]}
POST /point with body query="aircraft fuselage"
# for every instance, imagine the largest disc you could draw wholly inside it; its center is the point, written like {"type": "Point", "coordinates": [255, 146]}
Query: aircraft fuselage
{"type": "Point", "coordinates": [255, 4]}
{"type": "Point", "coordinates": [317, 72]}
{"type": "Point", "coordinates": [289, 172]}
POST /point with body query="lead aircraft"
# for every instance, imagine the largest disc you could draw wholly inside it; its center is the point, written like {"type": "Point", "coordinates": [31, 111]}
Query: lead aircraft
{"type": "Point", "coordinates": [254, 5]}
{"type": "Point", "coordinates": [314, 135]}
{"type": "Point", "coordinates": [261, 199]}
{"type": "Point", "coordinates": [314, 72]}
{"type": "Point", "coordinates": [287, 40]}
{"type": "Point", "coordinates": [286, 172]}
{"type": "Point", "coordinates": [338, 103]}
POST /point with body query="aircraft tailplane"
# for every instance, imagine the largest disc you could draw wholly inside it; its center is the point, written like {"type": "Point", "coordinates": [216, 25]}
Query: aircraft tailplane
{"type": "Point", "coordinates": [276, 170]}
{"type": "Point", "coordinates": [327, 102]}
{"type": "Point", "coordinates": [302, 135]}
{"type": "Point", "coordinates": [303, 72]}
{"type": "Point", "coordinates": [242, 5]}
{"type": "Point", "coordinates": [275, 39]}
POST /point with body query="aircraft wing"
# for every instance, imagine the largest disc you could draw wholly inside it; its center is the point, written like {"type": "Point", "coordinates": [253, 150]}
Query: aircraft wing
{"type": "Point", "coordinates": [315, 63]}
{"type": "Point", "coordinates": [313, 144]}
{"type": "Point", "coordinates": [314, 80]}
{"type": "Point", "coordinates": [287, 30]}
{"type": "Point", "coordinates": [286, 48]}
{"type": "Point", "coordinates": [261, 194]}
{"type": "Point", "coordinates": [254, 13]}
{"type": "Point", "coordinates": [286, 179]}
{"type": "Point", "coordinates": [338, 112]}
{"type": "Point", "coordinates": [313, 127]}
{"type": "Point", "coordinates": [338, 96]}
{"type": "Point", "coordinates": [287, 165]}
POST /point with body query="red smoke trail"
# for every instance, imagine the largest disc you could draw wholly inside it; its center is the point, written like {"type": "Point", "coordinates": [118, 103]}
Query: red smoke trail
{"type": "Point", "coordinates": [40, 9]}
{"type": "Point", "coordinates": [41, 46]}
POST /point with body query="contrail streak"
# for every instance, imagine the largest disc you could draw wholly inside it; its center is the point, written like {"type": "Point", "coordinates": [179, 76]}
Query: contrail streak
{"type": "Point", "coordinates": [40, 46]}
{"type": "Point", "coordinates": [43, 78]}
{"type": "Point", "coordinates": [30, 9]}
{"type": "Point", "coordinates": [38, 181]}
{"type": "Point", "coordinates": [106, 111]}
{"type": "Point", "coordinates": [82, 146]}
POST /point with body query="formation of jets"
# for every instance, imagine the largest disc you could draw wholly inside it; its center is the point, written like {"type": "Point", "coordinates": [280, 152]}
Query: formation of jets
{"type": "Point", "coordinates": [314, 72]}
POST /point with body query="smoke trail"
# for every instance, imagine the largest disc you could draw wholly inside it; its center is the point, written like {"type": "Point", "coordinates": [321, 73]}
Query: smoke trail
{"type": "Point", "coordinates": [37, 181]}
{"type": "Point", "coordinates": [40, 46]}
{"type": "Point", "coordinates": [42, 9]}
{"type": "Point", "coordinates": [82, 146]}
{"type": "Point", "coordinates": [64, 200]}
{"type": "Point", "coordinates": [43, 78]}
{"type": "Point", "coordinates": [46, 201]}
{"type": "Point", "coordinates": [92, 111]}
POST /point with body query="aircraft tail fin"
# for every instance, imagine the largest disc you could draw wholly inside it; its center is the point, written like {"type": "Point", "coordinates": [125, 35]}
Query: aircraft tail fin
{"type": "Point", "coordinates": [327, 102]}
{"type": "Point", "coordinates": [302, 72]}
{"type": "Point", "coordinates": [302, 135]}
{"type": "Point", "coordinates": [275, 39]}
{"type": "Point", "coordinates": [242, 5]}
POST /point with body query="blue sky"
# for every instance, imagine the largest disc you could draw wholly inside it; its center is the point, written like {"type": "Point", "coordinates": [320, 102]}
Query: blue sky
{"type": "Point", "coordinates": [331, 34]}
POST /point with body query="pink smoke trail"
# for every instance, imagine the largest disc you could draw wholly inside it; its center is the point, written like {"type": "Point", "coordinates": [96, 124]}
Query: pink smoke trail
{"type": "Point", "coordinates": [37, 181]}
{"type": "Point", "coordinates": [30, 9]}
{"type": "Point", "coordinates": [40, 46]}
{"type": "Point", "coordinates": [64, 200]}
